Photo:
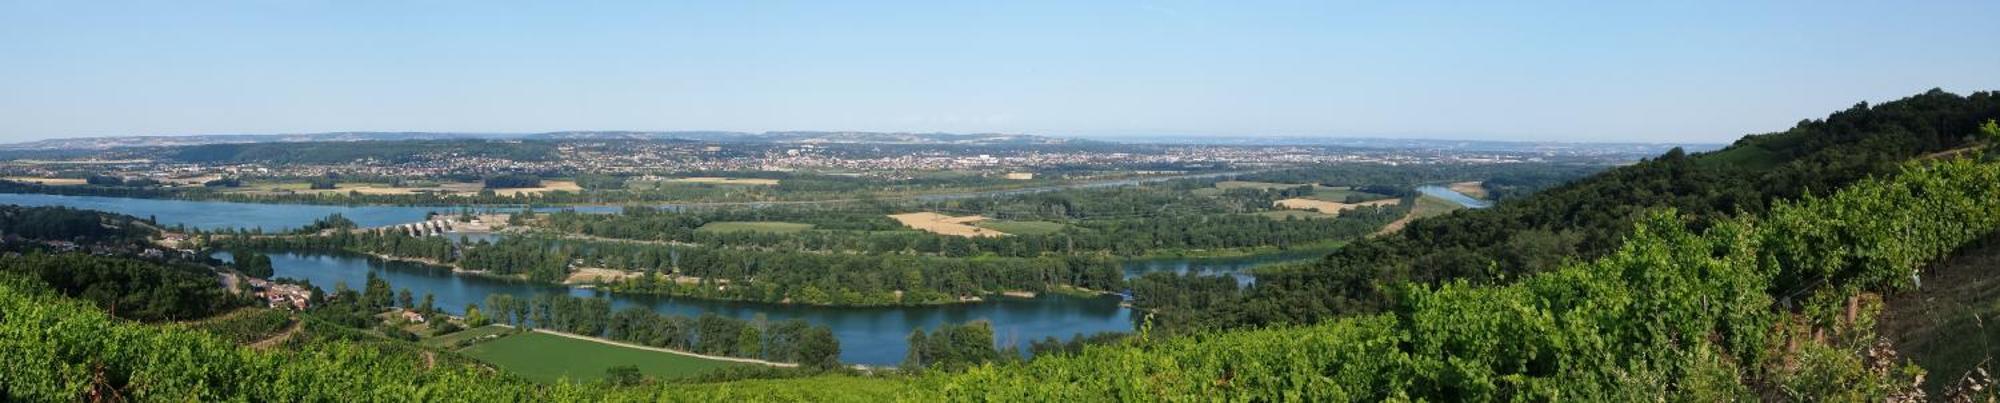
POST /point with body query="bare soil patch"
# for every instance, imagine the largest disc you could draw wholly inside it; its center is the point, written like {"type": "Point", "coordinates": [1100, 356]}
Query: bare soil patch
{"type": "Point", "coordinates": [945, 225]}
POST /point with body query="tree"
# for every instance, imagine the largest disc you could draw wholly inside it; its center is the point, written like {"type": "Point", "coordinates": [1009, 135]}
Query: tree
{"type": "Point", "coordinates": [750, 342]}
{"type": "Point", "coordinates": [1991, 130]}
{"type": "Point", "coordinates": [377, 294]}
{"type": "Point", "coordinates": [429, 307]}
{"type": "Point", "coordinates": [473, 317]}
{"type": "Point", "coordinates": [253, 264]}
{"type": "Point", "coordinates": [819, 349]}
{"type": "Point", "coordinates": [403, 299]}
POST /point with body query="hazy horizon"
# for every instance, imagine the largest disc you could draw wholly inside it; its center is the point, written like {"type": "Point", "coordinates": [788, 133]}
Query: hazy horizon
{"type": "Point", "coordinates": [1695, 72]}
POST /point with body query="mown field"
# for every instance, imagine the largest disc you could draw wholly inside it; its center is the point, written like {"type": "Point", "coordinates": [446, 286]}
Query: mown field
{"type": "Point", "coordinates": [754, 226]}
{"type": "Point", "coordinates": [467, 334]}
{"type": "Point", "coordinates": [548, 358]}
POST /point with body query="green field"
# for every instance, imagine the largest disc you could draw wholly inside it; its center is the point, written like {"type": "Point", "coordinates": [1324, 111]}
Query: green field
{"type": "Point", "coordinates": [1022, 227]}
{"type": "Point", "coordinates": [754, 226]}
{"type": "Point", "coordinates": [467, 334]}
{"type": "Point", "coordinates": [547, 358]}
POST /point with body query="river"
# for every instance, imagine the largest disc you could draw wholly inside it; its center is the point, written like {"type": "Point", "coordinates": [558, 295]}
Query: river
{"type": "Point", "coordinates": [872, 336]}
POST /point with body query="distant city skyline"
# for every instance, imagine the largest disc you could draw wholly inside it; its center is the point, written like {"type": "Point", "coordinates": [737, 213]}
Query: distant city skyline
{"type": "Point", "coordinates": [1676, 72]}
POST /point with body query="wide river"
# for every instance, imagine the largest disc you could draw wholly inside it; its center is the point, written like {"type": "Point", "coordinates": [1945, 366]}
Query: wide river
{"type": "Point", "coordinates": [873, 336]}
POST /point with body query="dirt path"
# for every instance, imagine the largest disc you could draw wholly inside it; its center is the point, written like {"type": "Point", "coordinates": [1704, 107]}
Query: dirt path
{"type": "Point", "coordinates": [1397, 225]}
{"type": "Point", "coordinates": [670, 351]}
{"type": "Point", "coordinates": [281, 337]}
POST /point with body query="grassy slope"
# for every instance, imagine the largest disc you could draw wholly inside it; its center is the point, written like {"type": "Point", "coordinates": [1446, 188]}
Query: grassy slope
{"type": "Point", "coordinates": [548, 358]}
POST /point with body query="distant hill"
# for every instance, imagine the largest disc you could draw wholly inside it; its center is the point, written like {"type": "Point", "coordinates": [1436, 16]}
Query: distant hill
{"type": "Point", "coordinates": [802, 137]}
{"type": "Point", "coordinates": [101, 143]}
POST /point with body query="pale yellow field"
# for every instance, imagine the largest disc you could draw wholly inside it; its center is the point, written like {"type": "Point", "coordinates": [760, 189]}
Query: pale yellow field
{"type": "Point", "coordinates": [728, 181]}
{"type": "Point", "coordinates": [547, 186]}
{"type": "Point", "coordinates": [1470, 189]}
{"type": "Point", "coordinates": [1328, 207]}
{"type": "Point", "coordinates": [47, 181]}
{"type": "Point", "coordinates": [945, 225]}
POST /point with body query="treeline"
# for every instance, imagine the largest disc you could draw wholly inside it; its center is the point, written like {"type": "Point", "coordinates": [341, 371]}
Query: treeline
{"type": "Point", "coordinates": [952, 348]}
{"type": "Point", "coordinates": [792, 341]}
{"type": "Point", "coordinates": [513, 180]}
{"type": "Point", "coordinates": [1778, 305]}
{"type": "Point", "coordinates": [1588, 217]}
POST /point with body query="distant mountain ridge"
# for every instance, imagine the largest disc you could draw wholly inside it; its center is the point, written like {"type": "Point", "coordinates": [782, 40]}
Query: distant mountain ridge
{"type": "Point", "coordinates": [801, 137]}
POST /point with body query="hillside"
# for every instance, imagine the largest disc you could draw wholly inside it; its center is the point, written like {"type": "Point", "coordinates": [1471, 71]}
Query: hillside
{"type": "Point", "coordinates": [1586, 218]}
{"type": "Point", "coordinates": [1674, 312]}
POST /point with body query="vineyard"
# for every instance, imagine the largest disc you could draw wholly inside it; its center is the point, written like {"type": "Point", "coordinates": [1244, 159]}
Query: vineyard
{"type": "Point", "coordinates": [1779, 306]}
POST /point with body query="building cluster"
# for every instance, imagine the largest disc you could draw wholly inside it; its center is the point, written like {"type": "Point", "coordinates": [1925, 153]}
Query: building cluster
{"type": "Point", "coordinates": [281, 295]}
{"type": "Point", "coordinates": [670, 158]}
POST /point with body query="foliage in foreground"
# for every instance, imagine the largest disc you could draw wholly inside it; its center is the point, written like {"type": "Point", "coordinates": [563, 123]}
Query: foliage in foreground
{"type": "Point", "coordinates": [1697, 315]}
{"type": "Point", "coordinates": [54, 348]}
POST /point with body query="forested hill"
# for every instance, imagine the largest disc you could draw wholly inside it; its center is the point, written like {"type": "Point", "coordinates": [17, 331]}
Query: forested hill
{"type": "Point", "coordinates": [67, 224]}
{"type": "Point", "coordinates": [1588, 217]}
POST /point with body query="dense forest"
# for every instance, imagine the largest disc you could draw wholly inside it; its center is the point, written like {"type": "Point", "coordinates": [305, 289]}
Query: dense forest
{"type": "Point", "coordinates": [1588, 218]}
{"type": "Point", "coordinates": [129, 288]}
{"type": "Point", "coordinates": [69, 224]}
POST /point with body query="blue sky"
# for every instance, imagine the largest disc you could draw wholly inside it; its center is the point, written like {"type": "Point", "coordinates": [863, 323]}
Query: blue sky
{"type": "Point", "coordinates": [1666, 71]}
